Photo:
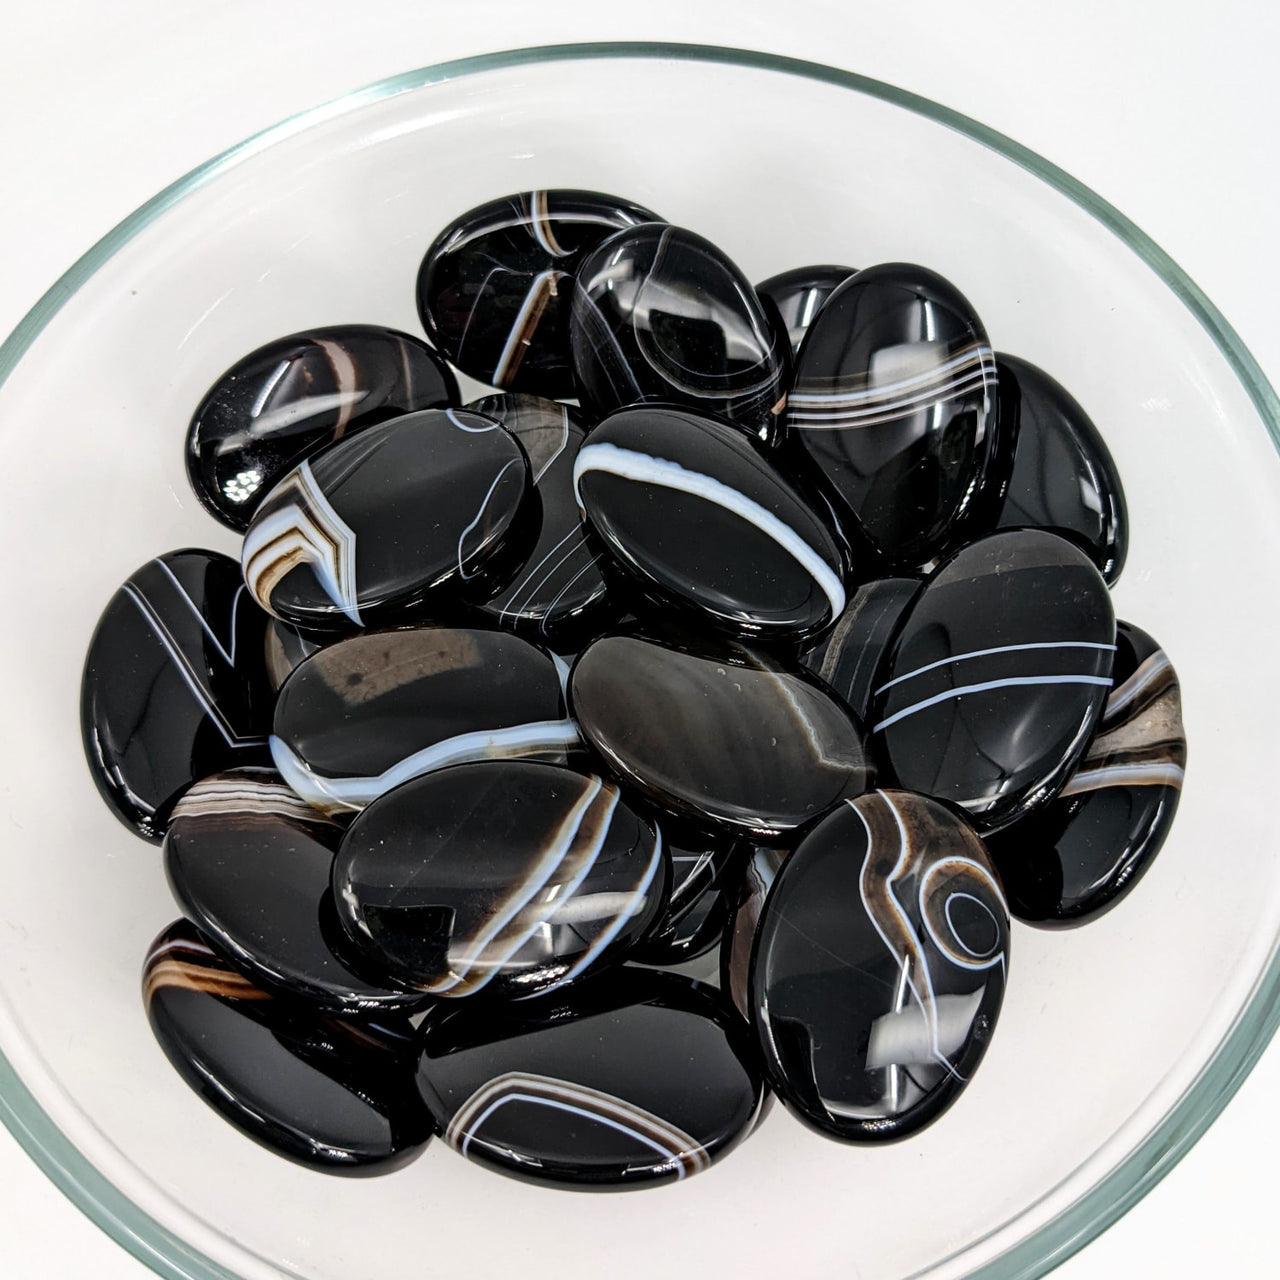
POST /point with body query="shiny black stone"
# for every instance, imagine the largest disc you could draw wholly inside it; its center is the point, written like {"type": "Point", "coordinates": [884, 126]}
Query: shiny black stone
{"type": "Point", "coordinates": [745, 908]}
{"type": "Point", "coordinates": [660, 315]}
{"type": "Point", "coordinates": [175, 687]}
{"type": "Point", "coordinates": [1064, 478]}
{"type": "Point", "coordinates": [799, 295]}
{"type": "Point", "coordinates": [250, 864]}
{"type": "Point", "coordinates": [705, 870]}
{"type": "Point", "coordinates": [292, 397]}
{"type": "Point", "coordinates": [630, 1080]}
{"type": "Point", "coordinates": [850, 655]}
{"type": "Point", "coordinates": [1079, 855]}
{"type": "Point", "coordinates": [721, 734]}
{"type": "Point", "coordinates": [559, 593]}
{"type": "Point", "coordinates": [702, 520]}
{"type": "Point", "coordinates": [998, 676]}
{"type": "Point", "coordinates": [335, 1094]}
{"type": "Point", "coordinates": [879, 967]}
{"type": "Point", "coordinates": [894, 402]}
{"type": "Point", "coordinates": [365, 529]}
{"type": "Point", "coordinates": [286, 647]}
{"type": "Point", "coordinates": [493, 289]}
{"type": "Point", "coordinates": [508, 876]}
{"type": "Point", "coordinates": [368, 713]}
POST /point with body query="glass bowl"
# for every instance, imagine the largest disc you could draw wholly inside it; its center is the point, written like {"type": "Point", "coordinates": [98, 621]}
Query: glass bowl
{"type": "Point", "coordinates": [1119, 1041]}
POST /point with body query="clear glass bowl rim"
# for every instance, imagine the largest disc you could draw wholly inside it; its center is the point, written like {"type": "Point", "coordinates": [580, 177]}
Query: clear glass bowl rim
{"type": "Point", "coordinates": [1108, 1200]}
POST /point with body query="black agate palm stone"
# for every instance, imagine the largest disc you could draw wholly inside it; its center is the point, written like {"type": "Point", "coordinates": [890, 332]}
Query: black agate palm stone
{"type": "Point", "coordinates": [998, 676]}
{"type": "Point", "coordinates": [335, 1094]}
{"type": "Point", "coordinates": [1077, 857]}
{"type": "Point", "coordinates": [250, 863]}
{"type": "Point", "coordinates": [559, 592]}
{"type": "Point", "coordinates": [721, 735]}
{"type": "Point", "coordinates": [703, 521]}
{"type": "Point", "coordinates": [799, 294]}
{"type": "Point", "coordinates": [365, 529]}
{"type": "Point", "coordinates": [175, 685]}
{"type": "Point", "coordinates": [643, 1079]}
{"type": "Point", "coordinates": [508, 876]}
{"type": "Point", "coordinates": [1063, 477]}
{"type": "Point", "coordinates": [894, 403]}
{"type": "Point", "coordinates": [879, 967]}
{"type": "Point", "coordinates": [494, 287]}
{"type": "Point", "coordinates": [368, 713]}
{"type": "Point", "coordinates": [661, 316]}
{"type": "Point", "coordinates": [292, 397]}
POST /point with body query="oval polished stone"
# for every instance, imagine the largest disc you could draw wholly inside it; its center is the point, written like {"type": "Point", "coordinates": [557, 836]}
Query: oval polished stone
{"type": "Point", "coordinates": [704, 870]}
{"type": "Point", "coordinates": [1077, 857]}
{"type": "Point", "coordinates": [250, 864]}
{"type": "Point", "coordinates": [702, 520]}
{"type": "Point", "coordinates": [174, 685]}
{"type": "Point", "coordinates": [342, 543]}
{"type": "Point", "coordinates": [286, 400]}
{"type": "Point", "coordinates": [507, 875]}
{"type": "Point", "coordinates": [1064, 477]}
{"type": "Point", "coordinates": [879, 967]}
{"type": "Point", "coordinates": [746, 906]}
{"type": "Point", "coordinates": [720, 735]}
{"type": "Point", "coordinates": [998, 676]}
{"type": "Point", "coordinates": [368, 713]}
{"type": "Point", "coordinates": [335, 1094]}
{"type": "Point", "coordinates": [660, 315]}
{"type": "Point", "coordinates": [493, 289]}
{"type": "Point", "coordinates": [894, 402]}
{"type": "Point", "coordinates": [799, 295]}
{"type": "Point", "coordinates": [850, 655]}
{"type": "Point", "coordinates": [559, 594]}
{"type": "Point", "coordinates": [626, 1081]}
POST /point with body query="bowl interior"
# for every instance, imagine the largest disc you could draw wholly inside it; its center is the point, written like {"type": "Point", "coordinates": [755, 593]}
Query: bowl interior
{"type": "Point", "coordinates": [1103, 1029]}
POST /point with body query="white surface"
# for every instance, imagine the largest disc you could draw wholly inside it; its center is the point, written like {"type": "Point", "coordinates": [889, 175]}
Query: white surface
{"type": "Point", "coordinates": [1166, 110]}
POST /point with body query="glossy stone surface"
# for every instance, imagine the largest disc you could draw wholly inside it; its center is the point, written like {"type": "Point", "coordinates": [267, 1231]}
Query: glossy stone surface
{"type": "Point", "coordinates": [998, 677]}
{"type": "Point", "coordinates": [368, 713]}
{"type": "Point", "coordinates": [746, 906]}
{"type": "Point", "coordinates": [508, 876]}
{"type": "Point", "coordinates": [286, 646]}
{"type": "Point", "coordinates": [559, 594]}
{"type": "Point", "coordinates": [628, 1081]}
{"type": "Point", "coordinates": [702, 520]}
{"type": "Point", "coordinates": [250, 864]}
{"type": "Point", "coordinates": [334, 1094]}
{"type": "Point", "coordinates": [341, 543]}
{"type": "Point", "coordinates": [894, 402]}
{"type": "Point", "coordinates": [718, 733]}
{"type": "Point", "coordinates": [660, 315]}
{"type": "Point", "coordinates": [879, 967]}
{"type": "Point", "coordinates": [1080, 855]}
{"type": "Point", "coordinates": [704, 872]}
{"type": "Point", "coordinates": [286, 400]}
{"type": "Point", "coordinates": [1064, 477]}
{"type": "Point", "coordinates": [850, 655]}
{"type": "Point", "coordinates": [493, 289]}
{"type": "Point", "coordinates": [799, 295]}
{"type": "Point", "coordinates": [174, 685]}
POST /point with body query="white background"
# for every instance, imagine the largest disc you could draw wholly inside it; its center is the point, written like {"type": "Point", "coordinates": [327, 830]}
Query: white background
{"type": "Point", "coordinates": [1168, 108]}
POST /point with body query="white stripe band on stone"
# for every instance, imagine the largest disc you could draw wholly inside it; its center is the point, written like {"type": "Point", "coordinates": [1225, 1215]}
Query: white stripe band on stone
{"type": "Point", "coordinates": [986, 653]}
{"type": "Point", "coordinates": [646, 469]}
{"type": "Point", "coordinates": [1010, 683]}
{"type": "Point", "coordinates": [337, 795]}
{"type": "Point", "coordinates": [834, 418]}
{"type": "Point", "coordinates": [1155, 773]}
{"type": "Point", "coordinates": [980, 356]}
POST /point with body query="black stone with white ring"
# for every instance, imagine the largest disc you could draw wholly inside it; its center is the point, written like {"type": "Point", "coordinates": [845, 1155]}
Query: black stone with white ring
{"type": "Point", "coordinates": [701, 519]}
{"type": "Point", "coordinates": [879, 967]}
{"type": "Point", "coordinates": [429, 504]}
{"type": "Point", "coordinates": [998, 676]}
